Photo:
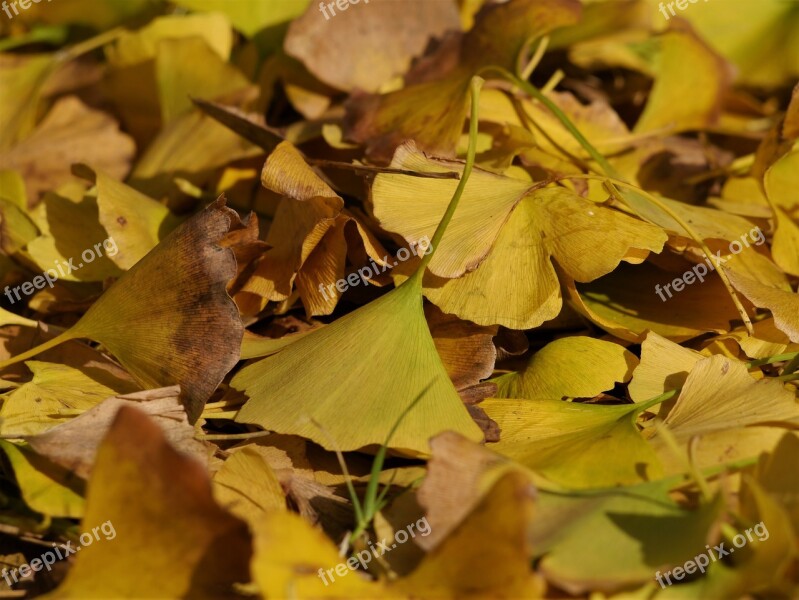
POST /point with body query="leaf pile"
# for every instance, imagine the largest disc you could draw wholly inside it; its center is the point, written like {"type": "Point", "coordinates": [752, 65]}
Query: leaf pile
{"type": "Point", "coordinates": [281, 282]}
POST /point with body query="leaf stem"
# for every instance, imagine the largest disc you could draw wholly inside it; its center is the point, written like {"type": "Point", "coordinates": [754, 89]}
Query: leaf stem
{"type": "Point", "coordinates": [476, 86]}
{"type": "Point", "coordinates": [671, 442]}
{"type": "Point", "coordinates": [533, 91]}
{"type": "Point", "coordinates": [371, 500]}
{"type": "Point", "coordinates": [792, 366]}
{"type": "Point", "coordinates": [656, 400]}
{"type": "Point", "coordinates": [792, 356]}
{"type": "Point", "coordinates": [85, 46]}
{"type": "Point", "coordinates": [59, 339]}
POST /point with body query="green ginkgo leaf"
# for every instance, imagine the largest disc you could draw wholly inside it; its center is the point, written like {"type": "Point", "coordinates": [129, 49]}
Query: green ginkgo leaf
{"type": "Point", "coordinates": [574, 445]}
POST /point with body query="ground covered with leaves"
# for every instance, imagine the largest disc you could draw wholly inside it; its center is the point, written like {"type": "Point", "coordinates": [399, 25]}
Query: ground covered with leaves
{"type": "Point", "coordinates": [399, 299]}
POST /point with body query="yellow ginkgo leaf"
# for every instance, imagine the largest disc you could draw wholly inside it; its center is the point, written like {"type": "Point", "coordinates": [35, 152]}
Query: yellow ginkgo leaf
{"type": "Point", "coordinates": [21, 81]}
{"type": "Point", "coordinates": [135, 47]}
{"type": "Point", "coordinates": [721, 403]}
{"type": "Point", "coordinates": [783, 304]}
{"type": "Point", "coordinates": [763, 565]}
{"type": "Point", "coordinates": [69, 230]}
{"type": "Point", "coordinates": [759, 37]}
{"type": "Point", "coordinates": [572, 367]}
{"type": "Point", "coordinates": [508, 238]}
{"type": "Point", "coordinates": [625, 303]}
{"type": "Point", "coordinates": [685, 66]}
{"type": "Point", "coordinates": [250, 16]}
{"type": "Point", "coordinates": [291, 558]}
{"type": "Point", "coordinates": [247, 486]}
{"type": "Point", "coordinates": [73, 445]}
{"type": "Point", "coordinates": [70, 133]}
{"type": "Point", "coordinates": [413, 207]}
{"type": "Point", "coordinates": [9, 318]}
{"type": "Point", "coordinates": [162, 314]}
{"type": "Point", "coordinates": [134, 221]}
{"type": "Point", "coordinates": [461, 566]}
{"type": "Point", "coordinates": [54, 396]}
{"type": "Point", "coordinates": [367, 48]}
{"type": "Point", "coordinates": [780, 183]}
{"type": "Point", "coordinates": [157, 504]}
{"type": "Point", "coordinates": [189, 68]}
{"type": "Point", "coordinates": [611, 539]}
{"type": "Point", "coordinates": [664, 366]}
{"type": "Point", "coordinates": [459, 474]}
{"type": "Point", "coordinates": [45, 487]}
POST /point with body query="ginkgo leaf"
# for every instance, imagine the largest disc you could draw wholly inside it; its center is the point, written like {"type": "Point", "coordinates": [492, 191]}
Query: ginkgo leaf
{"type": "Point", "coordinates": [664, 366]}
{"type": "Point", "coordinates": [187, 68]}
{"type": "Point", "coordinates": [172, 531]}
{"type": "Point", "coordinates": [157, 319]}
{"type": "Point", "coordinates": [780, 184]}
{"type": "Point", "coordinates": [247, 486]}
{"type": "Point", "coordinates": [367, 48]}
{"type": "Point", "coordinates": [685, 65]}
{"type": "Point", "coordinates": [432, 112]}
{"type": "Point", "coordinates": [628, 310]}
{"type": "Point", "coordinates": [70, 133]}
{"type": "Point", "coordinates": [309, 239]}
{"type": "Point", "coordinates": [356, 402]}
{"type": "Point", "coordinates": [572, 367]}
{"type": "Point", "coordinates": [759, 37]}
{"type": "Point", "coordinates": [68, 229]}
{"type": "Point", "coordinates": [783, 304]}
{"type": "Point", "coordinates": [9, 318]}
{"type": "Point", "coordinates": [720, 403]}
{"type": "Point", "coordinates": [73, 445]}
{"type": "Point", "coordinates": [134, 221]}
{"type": "Point", "coordinates": [289, 555]}
{"type": "Point", "coordinates": [45, 487]}
{"type": "Point", "coordinates": [21, 81]}
{"type": "Point", "coordinates": [763, 563]}
{"type": "Point", "coordinates": [134, 47]}
{"type": "Point", "coordinates": [52, 397]}
{"type": "Point", "coordinates": [345, 403]}
{"type": "Point", "coordinates": [491, 242]}
{"type": "Point", "coordinates": [250, 16]}
{"type": "Point", "coordinates": [574, 445]}
{"type": "Point", "coordinates": [775, 475]}
{"type": "Point", "coordinates": [516, 303]}
{"type": "Point", "coordinates": [87, 12]}
{"type": "Point", "coordinates": [458, 476]}
{"type": "Point", "coordinates": [611, 539]}
{"type": "Point", "coordinates": [462, 567]}
{"type": "Point", "coordinates": [413, 208]}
